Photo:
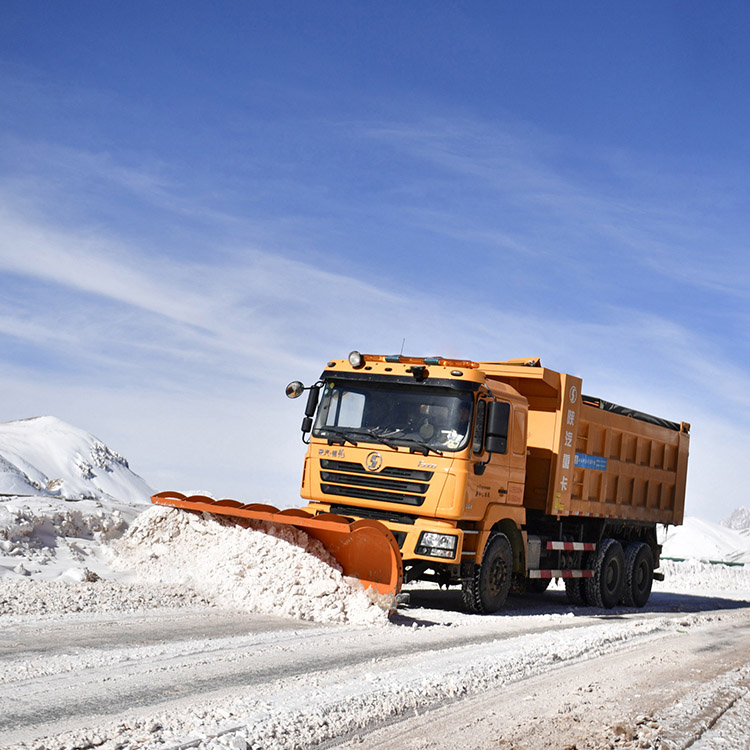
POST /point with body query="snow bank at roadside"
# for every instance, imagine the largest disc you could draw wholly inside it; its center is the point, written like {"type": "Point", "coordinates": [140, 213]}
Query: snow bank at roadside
{"type": "Point", "coordinates": [52, 538]}
{"type": "Point", "coordinates": [283, 572]}
{"type": "Point", "coordinates": [698, 577]}
{"type": "Point", "coordinates": [52, 598]}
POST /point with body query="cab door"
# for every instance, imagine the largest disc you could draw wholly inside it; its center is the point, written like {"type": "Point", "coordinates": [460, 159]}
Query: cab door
{"type": "Point", "coordinates": [489, 471]}
{"type": "Point", "coordinates": [517, 453]}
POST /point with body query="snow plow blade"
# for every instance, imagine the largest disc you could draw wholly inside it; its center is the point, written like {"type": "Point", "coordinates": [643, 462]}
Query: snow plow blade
{"type": "Point", "coordinates": [365, 548]}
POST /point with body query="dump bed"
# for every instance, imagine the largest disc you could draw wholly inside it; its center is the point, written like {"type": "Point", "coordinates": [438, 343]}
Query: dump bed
{"type": "Point", "coordinates": [589, 457]}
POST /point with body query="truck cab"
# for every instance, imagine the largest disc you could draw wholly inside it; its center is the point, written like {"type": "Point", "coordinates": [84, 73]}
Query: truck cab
{"type": "Point", "coordinates": [427, 448]}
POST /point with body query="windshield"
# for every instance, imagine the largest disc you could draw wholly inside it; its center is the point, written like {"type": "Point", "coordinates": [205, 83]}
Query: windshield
{"type": "Point", "coordinates": [437, 419]}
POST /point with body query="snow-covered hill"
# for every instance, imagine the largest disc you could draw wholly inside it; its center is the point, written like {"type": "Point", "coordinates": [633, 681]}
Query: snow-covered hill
{"type": "Point", "coordinates": [697, 539]}
{"type": "Point", "coordinates": [739, 519]}
{"type": "Point", "coordinates": [45, 456]}
{"type": "Point", "coordinates": [63, 495]}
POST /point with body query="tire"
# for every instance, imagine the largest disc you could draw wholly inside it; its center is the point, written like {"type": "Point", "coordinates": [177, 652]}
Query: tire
{"type": "Point", "coordinates": [639, 574]}
{"type": "Point", "coordinates": [575, 590]}
{"type": "Point", "coordinates": [486, 591]}
{"type": "Point", "coordinates": [605, 588]}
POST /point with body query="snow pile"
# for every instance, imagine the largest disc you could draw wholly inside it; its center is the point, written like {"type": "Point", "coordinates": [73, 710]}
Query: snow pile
{"type": "Point", "coordinates": [283, 572]}
{"type": "Point", "coordinates": [45, 456]}
{"type": "Point", "coordinates": [702, 540]}
{"type": "Point", "coordinates": [29, 597]}
{"type": "Point", "coordinates": [698, 577]}
{"type": "Point", "coordinates": [739, 519]}
{"type": "Point", "coordinates": [69, 496]}
{"type": "Point", "coordinates": [44, 537]}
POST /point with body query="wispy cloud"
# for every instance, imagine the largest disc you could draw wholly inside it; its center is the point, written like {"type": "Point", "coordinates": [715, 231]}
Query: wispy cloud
{"type": "Point", "coordinates": [185, 356]}
{"type": "Point", "coordinates": [587, 204]}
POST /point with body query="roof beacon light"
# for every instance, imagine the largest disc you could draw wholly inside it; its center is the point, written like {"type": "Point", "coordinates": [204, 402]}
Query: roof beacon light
{"type": "Point", "coordinates": [356, 360]}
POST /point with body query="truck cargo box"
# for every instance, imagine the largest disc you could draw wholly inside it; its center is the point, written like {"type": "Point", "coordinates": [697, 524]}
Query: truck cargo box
{"type": "Point", "coordinates": [589, 457]}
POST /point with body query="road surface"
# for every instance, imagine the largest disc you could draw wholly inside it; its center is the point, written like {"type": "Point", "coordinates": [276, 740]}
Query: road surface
{"type": "Point", "coordinates": [673, 675]}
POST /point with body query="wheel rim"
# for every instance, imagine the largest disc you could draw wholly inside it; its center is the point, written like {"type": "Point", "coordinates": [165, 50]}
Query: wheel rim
{"type": "Point", "coordinates": [612, 576]}
{"type": "Point", "coordinates": [642, 576]}
{"type": "Point", "coordinates": [496, 577]}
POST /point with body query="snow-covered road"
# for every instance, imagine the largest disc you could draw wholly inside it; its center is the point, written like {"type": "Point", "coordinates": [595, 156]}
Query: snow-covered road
{"type": "Point", "coordinates": [127, 626]}
{"type": "Point", "coordinates": [538, 674]}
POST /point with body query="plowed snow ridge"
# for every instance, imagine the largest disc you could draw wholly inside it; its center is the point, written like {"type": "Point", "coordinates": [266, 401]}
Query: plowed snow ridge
{"type": "Point", "coordinates": [282, 572]}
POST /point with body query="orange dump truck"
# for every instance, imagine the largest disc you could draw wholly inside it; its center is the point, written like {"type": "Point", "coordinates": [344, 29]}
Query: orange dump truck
{"type": "Point", "coordinates": [495, 476]}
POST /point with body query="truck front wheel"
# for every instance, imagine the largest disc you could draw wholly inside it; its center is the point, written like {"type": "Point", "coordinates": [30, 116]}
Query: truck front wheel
{"type": "Point", "coordinates": [605, 588]}
{"type": "Point", "coordinates": [487, 589]}
{"type": "Point", "coordinates": [639, 574]}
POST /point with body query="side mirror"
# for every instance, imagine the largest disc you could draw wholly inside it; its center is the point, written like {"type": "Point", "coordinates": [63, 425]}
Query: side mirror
{"type": "Point", "coordinates": [498, 419]}
{"type": "Point", "coordinates": [496, 432]}
{"type": "Point", "coordinates": [294, 389]}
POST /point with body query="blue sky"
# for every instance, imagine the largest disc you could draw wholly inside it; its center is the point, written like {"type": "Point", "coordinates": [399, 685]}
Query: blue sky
{"type": "Point", "coordinates": [200, 202]}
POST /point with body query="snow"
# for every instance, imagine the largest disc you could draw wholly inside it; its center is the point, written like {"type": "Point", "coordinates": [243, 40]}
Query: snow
{"type": "Point", "coordinates": [78, 538]}
{"type": "Point", "coordinates": [697, 539]}
{"type": "Point", "coordinates": [45, 456]}
{"type": "Point", "coordinates": [739, 519]}
{"type": "Point", "coordinates": [85, 515]}
{"type": "Point", "coordinates": [281, 571]}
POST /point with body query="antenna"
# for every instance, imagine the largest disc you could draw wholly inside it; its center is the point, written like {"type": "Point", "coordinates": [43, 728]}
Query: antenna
{"type": "Point", "coordinates": [403, 341]}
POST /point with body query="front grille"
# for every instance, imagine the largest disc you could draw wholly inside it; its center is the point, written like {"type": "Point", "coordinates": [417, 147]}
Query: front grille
{"type": "Point", "coordinates": [366, 494]}
{"type": "Point", "coordinates": [373, 481]}
{"type": "Point", "coordinates": [388, 471]}
{"type": "Point", "coordinates": [390, 485]}
{"type": "Point", "coordinates": [375, 513]}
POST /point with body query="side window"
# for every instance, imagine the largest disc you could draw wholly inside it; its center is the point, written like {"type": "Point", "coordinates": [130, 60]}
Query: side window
{"type": "Point", "coordinates": [328, 408]}
{"type": "Point", "coordinates": [518, 439]}
{"type": "Point", "coordinates": [477, 442]}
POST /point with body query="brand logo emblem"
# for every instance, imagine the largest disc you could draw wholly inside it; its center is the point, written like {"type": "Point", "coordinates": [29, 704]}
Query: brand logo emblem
{"type": "Point", "coordinates": [373, 461]}
{"type": "Point", "coordinates": [573, 394]}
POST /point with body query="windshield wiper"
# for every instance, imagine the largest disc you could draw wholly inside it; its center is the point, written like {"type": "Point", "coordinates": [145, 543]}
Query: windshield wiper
{"type": "Point", "coordinates": [337, 436]}
{"type": "Point", "coordinates": [419, 445]}
{"type": "Point", "coordinates": [370, 433]}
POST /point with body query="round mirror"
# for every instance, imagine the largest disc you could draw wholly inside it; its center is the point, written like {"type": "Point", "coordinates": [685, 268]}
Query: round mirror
{"type": "Point", "coordinates": [294, 389]}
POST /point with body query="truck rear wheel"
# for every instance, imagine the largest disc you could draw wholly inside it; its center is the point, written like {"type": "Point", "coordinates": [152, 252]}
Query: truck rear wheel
{"type": "Point", "coordinates": [575, 590]}
{"type": "Point", "coordinates": [486, 591]}
{"type": "Point", "coordinates": [604, 589]}
{"type": "Point", "coordinates": [639, 574]}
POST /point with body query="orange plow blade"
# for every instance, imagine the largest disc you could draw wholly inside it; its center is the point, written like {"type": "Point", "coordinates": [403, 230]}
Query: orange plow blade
{"type": "Point", "coordinates": [365, 549]}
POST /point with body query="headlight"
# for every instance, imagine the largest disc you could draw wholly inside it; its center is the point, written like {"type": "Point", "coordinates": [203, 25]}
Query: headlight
{"type": "Point", "coordinates": [432, 544]}
{"type": "Point", "coordinates": [356, 360]}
